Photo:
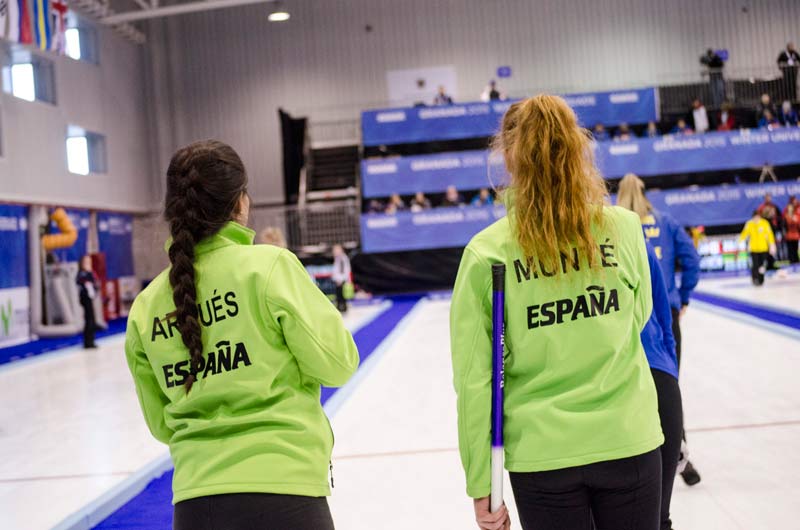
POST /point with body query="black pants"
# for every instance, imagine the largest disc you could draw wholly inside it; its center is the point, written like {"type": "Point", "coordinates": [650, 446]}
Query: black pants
{"type": "Point", "coordinates": [758, 264]}
{"type": "Point", "coordinates": [790, 82]}
{"type": "Point", "coordinates": [253, 511]}
{"type": "Point", "coordinates": [670, 409]}
{"type": "Point", "coordinates": [89, 325]}
{"type": "Point", "coordinates": [617, 495]}
{"type": "Point", "coordinates": [341, 303]}
{"type": "Point", "coordinates": [791, 247]}
{"type": "Point", "coordinates": [676, 332]}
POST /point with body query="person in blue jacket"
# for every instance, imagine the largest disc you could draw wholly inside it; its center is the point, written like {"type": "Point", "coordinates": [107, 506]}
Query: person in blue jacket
{"type": "Point", "coordinates": [659, 346]}
{"type": "Point", "coordinates": [672, 245]}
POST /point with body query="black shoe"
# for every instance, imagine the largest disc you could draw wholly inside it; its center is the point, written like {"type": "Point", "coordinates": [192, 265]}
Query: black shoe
{"type": "Point", "coordinates": [690, 475]}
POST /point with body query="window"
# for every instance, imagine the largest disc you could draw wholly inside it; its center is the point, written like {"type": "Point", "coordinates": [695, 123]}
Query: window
{"type": "Point", "coordinates": [73, 43]}
{"type": "Point", "coordinates": [29, 76]}
{"type": "Point", "coordinates": [22, 82]}
{"type": "Point", "coordinates": [78, 155]}
{"type": "Point", "coordinates": [86, 151]}
{"type": "Point", "coordinates": [80, 39]}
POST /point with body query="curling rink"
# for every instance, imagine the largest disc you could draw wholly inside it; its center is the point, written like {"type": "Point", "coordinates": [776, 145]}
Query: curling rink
{"type": "Point", "coordinates": [71, 431]}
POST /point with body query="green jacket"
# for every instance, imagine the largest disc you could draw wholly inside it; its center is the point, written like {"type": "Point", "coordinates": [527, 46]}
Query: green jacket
{"type": "Point", "coordinates": [578, 388]}
{"type": "Point", "coordinates": [253, 420]}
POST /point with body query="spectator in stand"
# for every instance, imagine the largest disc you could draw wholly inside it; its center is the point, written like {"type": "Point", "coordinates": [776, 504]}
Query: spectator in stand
{"type": "Point", "coordinates": [272, 235]}
{"type": "Point", "coordinates": [492, 92]}
{"type": "Point", "coordinates": [681, 128]}
{"type": "Point", "coordinates": [375, 206]}
{"type": "Point", "coordinates": [769, 121]}
{"type": "Point", "coordinates": [770, 212]}
{"type": "Point", "coordinates": [396, 201]}
{"type": "Point", "coordinates": [765, 104]}
{"type": "Point", "coordinates": [483, 198]}
{"type": "Point", "coordinates": [699, 117]}
{"type": "Point", "coordinates": [624, 133]}
{"type": "Point", "coordinates": [600, 133]}
{"type": "Point", "coordinates": [788, 62]}
{"type": "Point", "coordinates": [716, 81]}
{"type": "Point", "coordinates": [442, 98]}
{"type": "Point", "coordinates": [452, 198]}
{"type": "Point", "coordinates": [791, 217]}
{"type": "Point", "coordinates": [652, 130]}
{"type": "Point", "coordinates": [725, 119]}
{"type": "Point", "coordinates": [788, 114]}
{"type": "Point", "coordinates": [420, 202]}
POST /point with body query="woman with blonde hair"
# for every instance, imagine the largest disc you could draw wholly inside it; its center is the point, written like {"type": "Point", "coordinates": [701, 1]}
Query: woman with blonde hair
{"type": "Point", "coordinates": [582, 431]}
{"type": "Point", "coordinates": [272, 235]}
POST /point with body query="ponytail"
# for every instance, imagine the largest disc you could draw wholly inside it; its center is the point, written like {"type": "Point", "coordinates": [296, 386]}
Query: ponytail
{"type": "Point", "coordinates": [205, 182]}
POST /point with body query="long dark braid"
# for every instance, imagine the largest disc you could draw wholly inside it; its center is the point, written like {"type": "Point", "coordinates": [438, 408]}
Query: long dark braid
{"type": "Point", "coordinates": [205, 182]}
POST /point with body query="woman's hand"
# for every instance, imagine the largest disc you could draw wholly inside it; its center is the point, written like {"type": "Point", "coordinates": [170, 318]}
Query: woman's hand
{"type": "Point", "coordinates": [487, 520]}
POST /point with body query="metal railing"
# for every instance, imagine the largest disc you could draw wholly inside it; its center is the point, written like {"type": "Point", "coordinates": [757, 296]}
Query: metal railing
{"type": "Point", "coordinates": [313, 228]}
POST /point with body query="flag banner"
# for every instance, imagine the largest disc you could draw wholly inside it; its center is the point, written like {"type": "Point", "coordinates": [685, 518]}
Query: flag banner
{"type": "Point", "coordinates": [41, 23]}
{"type": "Point", "coordinates": [58, 26]}
{"type": "Point", "coordinates": [454, 227]}
{"type": "Point", "coordinates": [474, 120]}
{"type": "Point", "coordinates": [115, 237]}
{"type": "Point", "coordinates": [14, 290]}
{"type": "Point", "coordinates": [25, 35]}
{"type": "Point", "coordinates": [3, 18]}
{"type": "Point", "coordinates": [471, 170]}
{"type": "Point", "coordinates": [11, 26]}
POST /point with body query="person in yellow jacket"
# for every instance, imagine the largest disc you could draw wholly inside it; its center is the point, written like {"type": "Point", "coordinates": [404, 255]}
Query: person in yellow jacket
{"type": "Point", "coordinates": [761, 243]}
{"type": "Point", "coordinates": [582, 431]}
{"type": "Point", "coordinates": [228, 348]}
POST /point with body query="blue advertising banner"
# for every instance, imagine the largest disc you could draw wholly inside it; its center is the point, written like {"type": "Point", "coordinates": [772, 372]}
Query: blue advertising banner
{"type": "Point", "coordinates": [468, 170]}
{"type": "Point", "coordinates": [115, 237]}
{"type": "Point", "coordinates": [438, 228]}
{"type": "Point", "coordinates": [720, 205]}
{"type": "Point", "coordinates": [454, 227]}
{"type": "Point", "coordinates": [80, 219]}
{"type": "Point", "coordinates": [713, 151]}
{"type": "Point", "coordinates": [14, 290]}
{"type": "Point", "coordinates": [13, 246]}
{"type": "Point", "coordinates": [472, 120]}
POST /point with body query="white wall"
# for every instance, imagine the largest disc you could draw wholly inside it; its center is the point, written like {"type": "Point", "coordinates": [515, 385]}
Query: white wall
{"type": "Point", "coordinates": [109, 99]}
{"type": "Point", "coordinates": [225, 72]}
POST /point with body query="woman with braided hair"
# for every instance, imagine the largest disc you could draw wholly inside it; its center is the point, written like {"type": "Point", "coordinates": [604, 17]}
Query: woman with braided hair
{"type": "Point", "coordinates": [228, 348]}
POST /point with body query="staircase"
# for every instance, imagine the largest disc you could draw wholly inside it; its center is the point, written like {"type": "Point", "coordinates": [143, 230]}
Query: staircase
{"type": "Point", "coordinates": [332, 173]}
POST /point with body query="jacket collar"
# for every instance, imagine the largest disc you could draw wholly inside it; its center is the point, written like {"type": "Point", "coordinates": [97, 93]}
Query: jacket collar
{"type": "Point", "coordinates": [232, 233]}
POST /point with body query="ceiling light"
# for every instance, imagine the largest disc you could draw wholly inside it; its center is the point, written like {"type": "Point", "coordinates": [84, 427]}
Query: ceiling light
{"type": "Point", "coordinates": [279, 13]}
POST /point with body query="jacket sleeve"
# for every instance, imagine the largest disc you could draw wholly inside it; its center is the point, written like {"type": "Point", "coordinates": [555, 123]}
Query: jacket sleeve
{"type": "Point", "coordinates": [745, 232]}
{"type": "Point", "coordinates": [471, 349]}
{"type": "Point", "coordinates": [313, 329]}
{"type": "Point", "coordinates": [643, 292]}
{"type": "Point", "coordinates": [770, 234]}
{"type": "Point", "coordinates": [152, 399]}
{"type": "Point", "coordinates": [689, 260]}
{"type": "Point", "coordinates": [662, 311]}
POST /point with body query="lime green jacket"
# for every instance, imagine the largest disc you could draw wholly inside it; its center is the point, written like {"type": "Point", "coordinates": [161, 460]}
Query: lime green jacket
{"type": "Point", "coordinates": [253, 420]}
{"type": "Point", "coordinates": [578, 388]}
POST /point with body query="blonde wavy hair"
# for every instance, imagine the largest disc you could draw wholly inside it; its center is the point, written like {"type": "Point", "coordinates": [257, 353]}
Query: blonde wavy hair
{"type": "Point", "coordinates": [272, 235]}
{"type": "Point", "coordinates": [631, 196]}
{"type": "Point", "coordinates": [556, 194]}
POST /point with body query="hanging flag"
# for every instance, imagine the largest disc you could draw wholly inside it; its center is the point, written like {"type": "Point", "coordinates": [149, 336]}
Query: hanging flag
{"type": "Point", "coordinates": [58, 10]}
{"type": "Point", "coordinates": [3, 18]}
{"type": "Point", "coordinates": [12, 21]}
{"type": "Point", "coordinates": [41, 23]}
{"type": "Point", "coordinates": [25, 35]}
